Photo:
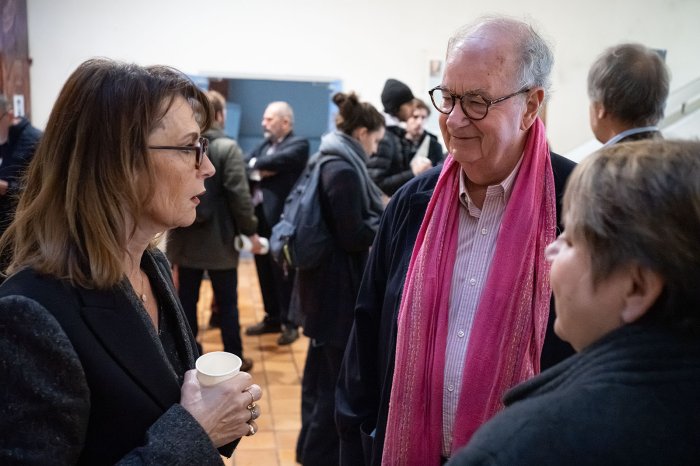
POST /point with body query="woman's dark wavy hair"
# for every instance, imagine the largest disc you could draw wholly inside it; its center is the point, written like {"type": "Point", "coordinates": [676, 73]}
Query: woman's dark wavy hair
{"type": "Point", "coordinates": [91, 172]}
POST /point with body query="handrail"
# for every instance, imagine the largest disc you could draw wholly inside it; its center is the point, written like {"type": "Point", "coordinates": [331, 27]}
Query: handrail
{"type": "Point", "coordinates": [681, 102]}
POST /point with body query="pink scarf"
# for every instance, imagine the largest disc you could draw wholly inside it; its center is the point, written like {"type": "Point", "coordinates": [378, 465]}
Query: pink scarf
{"type": "Point", "coordinates": [510, 323]}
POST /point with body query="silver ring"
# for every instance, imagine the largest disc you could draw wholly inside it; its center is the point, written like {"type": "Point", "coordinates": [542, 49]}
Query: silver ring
{"type": "Point", "coordinates": [251, 430]}
{"type": "Point", "coordinates": [252, 399]}
{"type": "Point", "coordinates": [254, 412]}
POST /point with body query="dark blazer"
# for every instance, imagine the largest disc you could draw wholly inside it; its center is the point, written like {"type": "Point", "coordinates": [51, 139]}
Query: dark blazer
{"type": "Point", "coordinates": [631, 398]}
{"type": "Point", "coordinates": [364, 387]}
{"type": "Point", "coordinates": [288, 161]}
{"type": "Point", "coordinates": [86, 379]}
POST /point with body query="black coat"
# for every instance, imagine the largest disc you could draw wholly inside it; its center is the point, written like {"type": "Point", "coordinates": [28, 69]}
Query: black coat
{"type": "Point", "coordinates": [632, 398]}
{"type": "Point", "coordinates": [324, 297]}
{"type": "Point", "coordinates": [390, 166]}
{"type": "Point", "coordinates": [16, 154]}
{"type": "Point", "coordinates": [85, 379]}
{"type": "Point", "coordinates": [288, 161]}
{"type": "Point", "coordinates": [364, 387]}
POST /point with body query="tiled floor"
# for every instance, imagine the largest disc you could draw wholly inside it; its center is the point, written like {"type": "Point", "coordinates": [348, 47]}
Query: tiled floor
{"type": "Point", "coordinates": [277, 369]}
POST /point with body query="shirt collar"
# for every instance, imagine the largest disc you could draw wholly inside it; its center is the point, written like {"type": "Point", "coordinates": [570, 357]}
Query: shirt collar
{"type": "Point", "coordinates": [629, 132]}
{"type": "Point", "coordinates": [505, 186]}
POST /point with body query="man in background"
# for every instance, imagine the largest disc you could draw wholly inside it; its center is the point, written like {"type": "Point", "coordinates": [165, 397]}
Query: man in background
{"type": "Point", "coordinates": [275, 165]}
{"type": "Point", "coordinates": [18, 141]}
{"type": "Point", "coordinates": [224, 211]}
{"type": "Point", "coordinates": [390, 167]}
{"type": "Point", "coordinates": [628, 86]}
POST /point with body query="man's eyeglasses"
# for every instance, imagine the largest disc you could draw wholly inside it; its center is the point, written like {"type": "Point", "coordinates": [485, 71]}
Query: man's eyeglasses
{"type": "Point", "coordinates": [474, 106]}
{"type": "Point", "coordinates": [200, 150]}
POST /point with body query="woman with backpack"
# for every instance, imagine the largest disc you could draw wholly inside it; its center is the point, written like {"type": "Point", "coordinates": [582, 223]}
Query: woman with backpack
{"type": "Point", "coordinates": [324, 297]}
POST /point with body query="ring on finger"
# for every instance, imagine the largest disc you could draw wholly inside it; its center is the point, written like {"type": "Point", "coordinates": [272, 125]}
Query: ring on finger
{"type": "Point", "coordinates": [254, 412]}
{"type": "Point", "coordinates": [251, 429]}
{"type": "Point", "coordinates": [252, 398]}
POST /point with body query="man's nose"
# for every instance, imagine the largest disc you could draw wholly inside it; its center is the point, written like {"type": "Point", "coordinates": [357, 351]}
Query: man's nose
{"type": "Point", "coordinates": [457, 117]}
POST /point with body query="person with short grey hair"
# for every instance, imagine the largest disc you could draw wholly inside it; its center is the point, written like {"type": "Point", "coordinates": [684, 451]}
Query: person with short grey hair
{"type": "Point", "coordinates": [628, 85]}
{"type": "Point", "coordinates": [454, 305]}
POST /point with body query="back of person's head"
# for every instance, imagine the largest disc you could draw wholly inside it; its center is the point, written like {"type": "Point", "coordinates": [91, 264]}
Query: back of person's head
{"type": "Point", "coordinates": [218, 107]}
{"type": "Point", "coordinates": [631, 81]}
{"type": "Point", "coordinates": [534, 57]}
{"type": "Point", "coordinates": [639, 203]}
{"type": "Point", "coordinates": [92, 174]}
{"type": "Point", "coordinates": [394, 95]}
{"type": "Point", "coordinates": [353, 114]}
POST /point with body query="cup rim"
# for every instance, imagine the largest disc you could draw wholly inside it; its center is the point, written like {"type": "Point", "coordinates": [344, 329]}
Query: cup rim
{"type": "Point", "coordinates": [200, 361]}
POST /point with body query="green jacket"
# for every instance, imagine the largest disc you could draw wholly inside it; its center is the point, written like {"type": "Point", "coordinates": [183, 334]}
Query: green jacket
{"type": "Point", "coordinates": [226, 210]}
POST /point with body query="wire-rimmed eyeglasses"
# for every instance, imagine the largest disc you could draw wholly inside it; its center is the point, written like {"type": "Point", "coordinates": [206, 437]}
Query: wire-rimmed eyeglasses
{"type": "Point", "coordinates": [200, 150]}
{"type": "Point", "coordinates": [474, 106]}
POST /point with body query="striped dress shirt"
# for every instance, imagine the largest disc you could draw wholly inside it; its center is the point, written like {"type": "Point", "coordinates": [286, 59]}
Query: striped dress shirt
{"type": "Point", "coordinates": [476, 242]}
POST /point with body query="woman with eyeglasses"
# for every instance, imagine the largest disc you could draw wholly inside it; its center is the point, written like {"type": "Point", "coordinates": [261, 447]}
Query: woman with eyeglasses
{"type": "Point", "coordinates": [96, 355]}
{"type": "Point", "coordinates": [625, 277]}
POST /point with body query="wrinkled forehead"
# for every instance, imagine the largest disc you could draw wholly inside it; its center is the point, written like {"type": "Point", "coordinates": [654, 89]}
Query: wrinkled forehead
{"type": "Point", "coordinates": [481, 63]}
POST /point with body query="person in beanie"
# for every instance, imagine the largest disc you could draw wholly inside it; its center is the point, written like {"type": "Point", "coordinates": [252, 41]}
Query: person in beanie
{"type": "Point", "coordinates": [390, 167]}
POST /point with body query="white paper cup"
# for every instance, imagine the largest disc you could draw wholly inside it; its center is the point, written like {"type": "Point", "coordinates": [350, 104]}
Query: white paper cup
{"type": "Point", "coordinates": [217, 366]}
{"type": "Point", "coordinates": [243, 243]}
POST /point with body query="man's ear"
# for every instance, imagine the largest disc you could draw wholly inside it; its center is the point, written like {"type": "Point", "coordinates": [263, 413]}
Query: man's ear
{"type": "Point", "coordinates": [534, 101]}
{"type": "Point", "coordinates": [600, 111]}
{"type": "Point", "coordinates": [645, 287]}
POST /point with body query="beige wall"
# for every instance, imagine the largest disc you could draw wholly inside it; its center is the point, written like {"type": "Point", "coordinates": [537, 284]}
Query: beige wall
{"type": "Point", "coordinates": [360, 42]}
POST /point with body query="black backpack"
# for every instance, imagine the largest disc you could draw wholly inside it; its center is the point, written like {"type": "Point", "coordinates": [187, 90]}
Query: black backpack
{"type": "Point", "coordinates": [301, 238]}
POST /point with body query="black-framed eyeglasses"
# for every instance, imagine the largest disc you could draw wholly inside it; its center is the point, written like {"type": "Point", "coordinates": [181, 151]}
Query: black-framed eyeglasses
{"type": "Point", "coordinates": [474, 106]}
{"type": "Point", "coordinates": [200, 150]}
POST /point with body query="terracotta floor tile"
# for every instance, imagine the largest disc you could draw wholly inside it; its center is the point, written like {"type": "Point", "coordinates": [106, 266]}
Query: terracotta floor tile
{"type": "Point", "coordinates": [277, 369]}
{"type": "Point", "coordinates": [286, 439]}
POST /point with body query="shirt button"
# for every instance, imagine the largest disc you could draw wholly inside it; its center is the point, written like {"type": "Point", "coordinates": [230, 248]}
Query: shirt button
{"type": "Point", "coordinates": [484, 231]}
{"type": "Point", "coordinates": [460, 334]}
{"type": "Point", "coordinates": [450, 388]}
{"type": "Point", "coordinates": [472, 282]}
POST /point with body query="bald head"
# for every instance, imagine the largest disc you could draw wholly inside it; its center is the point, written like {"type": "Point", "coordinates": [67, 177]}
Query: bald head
{"type": "Point", "coordinates": [533, 58]}
{"type": "Point", "coordinates": [278, 120]}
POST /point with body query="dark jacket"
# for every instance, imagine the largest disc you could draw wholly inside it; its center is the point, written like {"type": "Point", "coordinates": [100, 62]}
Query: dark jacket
{"type": "Point", "coordinates": [632, 398]}
{"type": "Point", "coordinates": [288, 161]}
{"type": "Point", "coordinates": [86, 379]}
{"type": "Point", "coordinates": [364, 387]}
{"type": "Point", "coordinates": [16, 154]}
{"type": "Point", "coordinates": [226, 210]}
{"type": "Point", "coordinates": [324, 297]}
{"type": "Point", "coordinates": [390, 166]}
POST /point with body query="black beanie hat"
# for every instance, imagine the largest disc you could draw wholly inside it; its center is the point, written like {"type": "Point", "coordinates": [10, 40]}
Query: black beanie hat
{"type": "Point", "coordinates": [394, 95]}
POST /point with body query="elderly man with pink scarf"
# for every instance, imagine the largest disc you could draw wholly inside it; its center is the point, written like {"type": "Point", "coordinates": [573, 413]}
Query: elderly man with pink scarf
{"type": "Point", "coordinates": [455, 301]}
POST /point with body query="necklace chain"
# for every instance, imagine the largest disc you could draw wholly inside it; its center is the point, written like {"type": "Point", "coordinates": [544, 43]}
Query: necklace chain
{"type": "Point", "coordinates": [143, 289]}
